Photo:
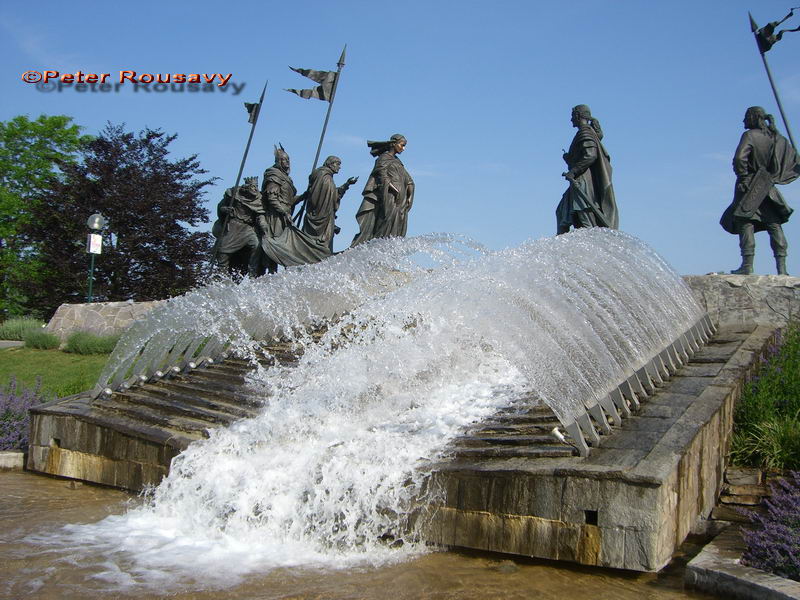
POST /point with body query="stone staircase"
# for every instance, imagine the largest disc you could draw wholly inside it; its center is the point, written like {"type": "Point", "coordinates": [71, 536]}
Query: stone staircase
{"type": "Point", "coordinates": [128, 438]}
{"type": "Point", "coordinates": [512, 433]}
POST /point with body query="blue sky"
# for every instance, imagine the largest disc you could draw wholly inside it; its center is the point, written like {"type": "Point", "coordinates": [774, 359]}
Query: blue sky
{"type": "Point", "coordinates": [482, 91]}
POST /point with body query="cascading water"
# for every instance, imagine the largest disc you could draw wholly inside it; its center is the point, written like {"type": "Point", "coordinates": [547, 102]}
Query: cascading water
{"type": "Point", "coordinates": [431, 334]}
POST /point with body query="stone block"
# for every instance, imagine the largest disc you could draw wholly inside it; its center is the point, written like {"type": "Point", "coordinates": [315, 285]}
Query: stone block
{"type": "Point", "coordinates": [612, 547]}
{"type": "Point", "coordinates": [11, 459]}
{"type": "Point", "coordinates": [472, 529]}
{"type": "Point", "coordinates": [581, 494]}
{"type": "Point", "coordinates": [728, 513]}
{"type": "Point", "coordinates": [690, 386]}
{"type": "Point", "coordinates": [442, 526]}
{"type": "Point", "coordinates": [473, 492]}
{"type": "Point", "coordinates": [569, 541]}
{"type": "Point", "coordinates": [746, 500]}
{"type": "Point", "coordinates": [639, 551]}
{"type": "Point", "coordinates": [745, 489]}
{"type": "Point", "coordinates": [616, 458]}
{"type": "Point", "coordinates": [700, 370]}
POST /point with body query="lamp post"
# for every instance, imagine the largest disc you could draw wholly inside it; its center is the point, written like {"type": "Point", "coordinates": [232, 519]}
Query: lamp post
{"type": "Point", "coordinates": [94, 245]}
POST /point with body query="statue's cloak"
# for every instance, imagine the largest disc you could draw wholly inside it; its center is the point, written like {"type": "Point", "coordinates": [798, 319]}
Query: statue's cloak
{"type": "Point", "coordinates": [760, 162]}
{"type": "Point", "coordinates": [592, 191]}
{"type": "Point", "coordinates": [387, 199]}
{"type": "Point", "coordinates": [322, 202]}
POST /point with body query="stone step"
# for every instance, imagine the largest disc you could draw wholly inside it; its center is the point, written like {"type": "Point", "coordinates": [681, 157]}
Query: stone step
{"type": "Point", "coordinates": [148, 416]}
{"type": "Point", "coordinates": [515, 452]}
{"type": "Point", "coordinates": [216, 375]}
{"type": "Point", "coordinates": [523, 419]}
{"type": "Point", "coordinates": [508, 440]}
{"type": "Point", "coordinates": [203, 380]}
{"type": "Point", "coordinates": [135, 428]}
{"type": "Point", "coordinates": [163, 391]}
{"type": "Point", "coordinates": [202, 390]}
{"type": "Point", "coordinates": [519, 429]}
{"type": "Point", "coordinates": [169, 407]}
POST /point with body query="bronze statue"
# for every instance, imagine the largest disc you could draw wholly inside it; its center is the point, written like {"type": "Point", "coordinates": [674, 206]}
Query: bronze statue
{"type": "Point", "coordinates": [280, 197]}
{"type": "Point", "coordinates": [762, 159]}
{"type": "Point", "coordinates": [241, 214]}
{"type": "Point", "coordinates": [284, 244]}
{"type": "Point", "coordinates": [388, 195]}
{"type": "Point", "coordinates": [322, 200]}
{"type": "Point", "coordinates": [589, 201]}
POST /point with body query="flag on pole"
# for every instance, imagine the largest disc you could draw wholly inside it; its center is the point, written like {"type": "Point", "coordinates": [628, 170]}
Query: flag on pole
{"type": "Point", "coordinates": [766, 36]}
{"type": "Point", "coordinates": [321, 92]}
{"type": "Point", "coordinates": [252, 111]}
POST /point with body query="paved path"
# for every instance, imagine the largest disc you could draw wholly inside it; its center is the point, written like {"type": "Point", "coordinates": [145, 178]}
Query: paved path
{"type": "Point", "coordinates": [10, 344]}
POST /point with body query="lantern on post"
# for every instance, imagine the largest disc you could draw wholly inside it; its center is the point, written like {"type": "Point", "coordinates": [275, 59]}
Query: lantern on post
{"type": "Point", "coordinates": [94, 245]}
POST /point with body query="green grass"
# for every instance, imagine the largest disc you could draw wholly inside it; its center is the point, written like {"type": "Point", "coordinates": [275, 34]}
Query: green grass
{"type": "Point", "coordinates": [767, 419]}
{"type": "Point", "coordinates": [62, 374]}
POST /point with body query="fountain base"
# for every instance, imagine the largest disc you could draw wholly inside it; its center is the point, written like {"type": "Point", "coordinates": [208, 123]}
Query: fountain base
{"type": "Point", "coordinates": [634, 499]}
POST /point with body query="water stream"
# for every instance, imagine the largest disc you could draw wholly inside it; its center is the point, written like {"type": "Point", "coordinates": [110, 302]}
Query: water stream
{"type": "Point", "coordinates": [425, 336]}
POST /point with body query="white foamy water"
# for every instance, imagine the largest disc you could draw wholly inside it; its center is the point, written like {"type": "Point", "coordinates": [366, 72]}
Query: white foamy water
{"type": "Point", "coordinates": [432, 334]}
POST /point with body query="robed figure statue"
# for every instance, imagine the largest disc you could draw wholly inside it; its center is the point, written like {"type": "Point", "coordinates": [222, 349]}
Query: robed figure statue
{"type": "Point", "coordinates": [239, 227]}
{"type": "Point", "coordinates": [763, 158]}
{"type": "Point", "coordinates": [322, 201]}
{"type": "Point", "coordinates": [280, 197]}
{"type": "Point", "coordinates": [589, 201]}
{"type": "Point", "coordinates": [291, 246]}
{"type": "Point", "coordinates": [388, 195]}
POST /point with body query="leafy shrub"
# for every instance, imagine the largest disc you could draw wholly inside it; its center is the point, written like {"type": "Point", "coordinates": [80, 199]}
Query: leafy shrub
{"type": "Point", "coordinates": [774, 544]}
{"type": "Point", "coordinates": [83, 342]}
{"type": "Point", "coordinates": [15, 329]}
{"type": "Point", "coordinates": [14, 416]}
{"type": "Point", "coordinates": [767, 417]}
{"type": "Point", "coordinates": [41, 339]}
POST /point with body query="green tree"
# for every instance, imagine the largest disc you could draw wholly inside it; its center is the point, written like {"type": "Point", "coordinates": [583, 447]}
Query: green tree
{"type": "Point", "coordinates": [32, 155]}
{"type": "Point", "coordinates": [150, 202]}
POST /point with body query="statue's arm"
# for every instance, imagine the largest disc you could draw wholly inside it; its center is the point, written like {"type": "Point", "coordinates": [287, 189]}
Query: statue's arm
{"type": "Point", "coordinates": [585, 160]}
{"type": "Point", "coordinates": [272, 201]}
{"type": "Point", "coordinates": [298, 199]}
{"type": "Point", "coordinates": [342, 189]}
{"type": "Point", "coordinates": [224, 206]}
{"type": "Point", "coordinates": [409, 193]}
{"type": "Point", "coordinates": [741, 163]}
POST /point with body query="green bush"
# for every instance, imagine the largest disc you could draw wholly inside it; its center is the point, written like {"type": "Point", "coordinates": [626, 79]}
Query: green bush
{"type": "Point", "coordinates": [15, 329]}
{"type": "Point", "coordinates": [767, 418]}
{"type": "Point", "coordinates": [83, 342]}
{"type": "Point", "coordinates": [41, 339]}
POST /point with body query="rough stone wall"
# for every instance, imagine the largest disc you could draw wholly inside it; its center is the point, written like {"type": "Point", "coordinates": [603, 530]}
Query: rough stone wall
{"type": "Point", "coordinates": [105, 456]}
{"type": "Point", "coordinates": [736, 300]}
{"type": "Point", "coordinates": [100, 318]}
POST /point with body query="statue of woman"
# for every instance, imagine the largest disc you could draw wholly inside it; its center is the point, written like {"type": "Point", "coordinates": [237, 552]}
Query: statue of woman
{"type": "Point", "coordinates": [388, 195]}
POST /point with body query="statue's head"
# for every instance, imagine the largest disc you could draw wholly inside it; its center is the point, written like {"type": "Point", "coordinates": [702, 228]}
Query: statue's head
{"type": "Point", "coordinates": [282, 159]}
{"type": "Point", "coordinates": [251, 185]}
{"type": "Point", "coordinates": [398, 143]}
{"type": "Point", "coordinates": [334, 163]}
{"type": "Point", "coordinates": [755, 118]}
{"type": "Point", "coordinates": [580, 113]}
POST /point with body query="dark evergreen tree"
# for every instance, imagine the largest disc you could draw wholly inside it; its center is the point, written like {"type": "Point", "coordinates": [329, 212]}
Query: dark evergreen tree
{"type": "Point", "coordinates": [149, 202]}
